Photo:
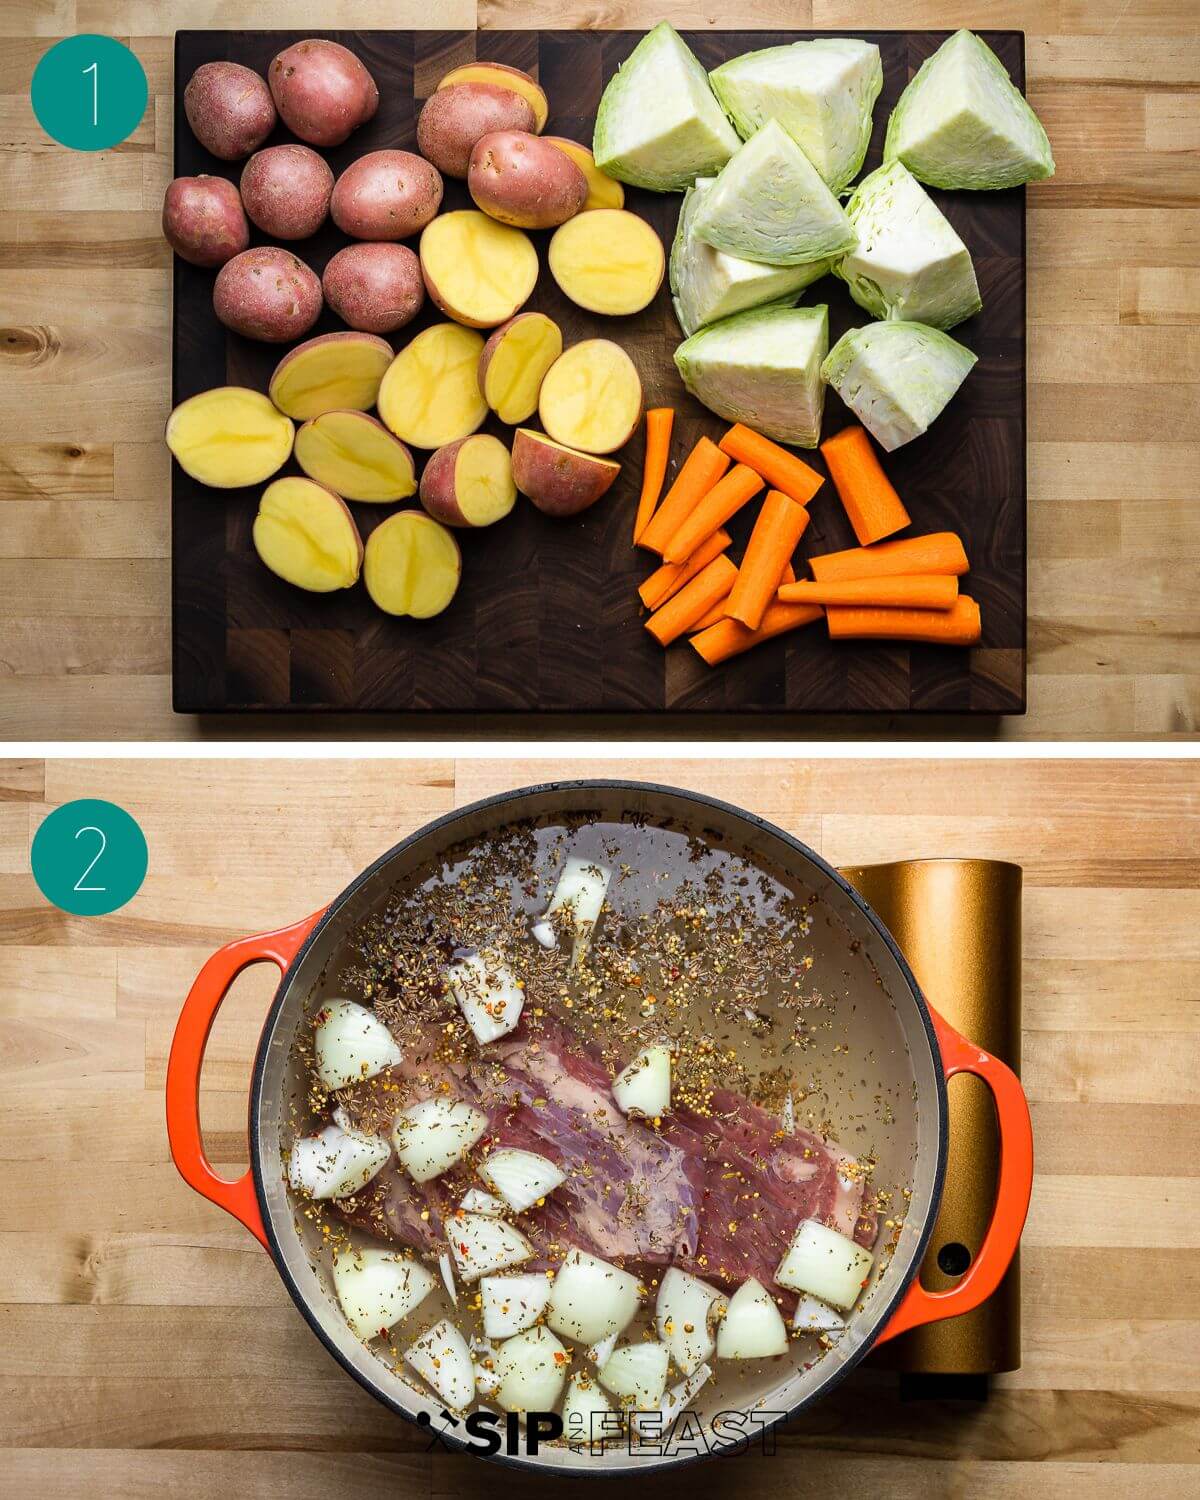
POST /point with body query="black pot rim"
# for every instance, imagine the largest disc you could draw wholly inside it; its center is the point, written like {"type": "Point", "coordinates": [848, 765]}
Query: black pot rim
{"type": "Point", "coordinates": [600, 1470]}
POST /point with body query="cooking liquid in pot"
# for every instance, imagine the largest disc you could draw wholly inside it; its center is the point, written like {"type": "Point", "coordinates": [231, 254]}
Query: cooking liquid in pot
{"type": "Point", "coordinates": [773, 1015]}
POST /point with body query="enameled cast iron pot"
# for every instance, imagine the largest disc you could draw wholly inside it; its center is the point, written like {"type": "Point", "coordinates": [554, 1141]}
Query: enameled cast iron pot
{"type": "Point", "coordinates": [914, 1049]}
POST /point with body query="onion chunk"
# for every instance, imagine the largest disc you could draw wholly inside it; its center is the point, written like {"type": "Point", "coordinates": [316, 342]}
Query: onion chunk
{"type": "Point", "coordinates": [489, 995]}
{"type": "Point", "coordinates": [587, 1412]}
{"type": "Point", "coordinates": [644, 1087]}
{"type": "Point", "coordinates": [638, 1374]}
{"type": "Point", "coordinates": [753, 1327]}
{"type": "Point", "coordinates": [442, 1359]}
{"type": "Point", "coordinates": [482, 1244]}
{"type": "Point", "coordinates": [376, 1288]}
{"type": "Point", "coordinates": [591, 1298]}
{"type": "Point", "coordinates": [825, 1264]}
{"type": "Point", "coordinates": [351, 1043]}
{"type": "Point", "coordinates": [521, 1178]}
{"type": "Point", "coordinates": [532, 1368]}
{"type": "Point", "coordinates": [432, 1135]}
{"type": "Point", "coordinates": [336, 1163]}
{"type": "Point", "coordinates": [812, 1316]}
{"type": "Point", "coordinates": [682, 1314]}
{"type": "Point", "coordinates": [511, 1304]}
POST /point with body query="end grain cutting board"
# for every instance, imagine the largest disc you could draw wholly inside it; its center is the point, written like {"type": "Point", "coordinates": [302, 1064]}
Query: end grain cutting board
{"type": "Point", "coordinates": [547, 617]}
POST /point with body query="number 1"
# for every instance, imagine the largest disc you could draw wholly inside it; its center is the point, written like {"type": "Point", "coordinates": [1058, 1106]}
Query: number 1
{"type": "Point", "coordinates": [95, 72]}
{"type": "Point", "coordinates": [79, 885]}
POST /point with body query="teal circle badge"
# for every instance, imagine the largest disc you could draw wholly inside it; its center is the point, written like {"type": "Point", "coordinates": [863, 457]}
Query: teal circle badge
{"type": "Point", "coordinates": [89, 857]}
{"type": "Point", "coordinates": [89, 92]}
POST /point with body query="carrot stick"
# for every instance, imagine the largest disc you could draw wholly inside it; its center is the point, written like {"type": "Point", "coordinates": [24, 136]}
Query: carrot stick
{"type": "Point", "coordinates": [957, 626]}
{"type": "Point", "coordinates": [781, 469]}
{"type": "Point", "coordinates": [693, 600]}
{"type": "Point", "coordinates": [904, 591]}
{"type": "Point", "coordinates": [671, 577]}
{"type": "Point", "coordinates": [659, 421]}
{"type": "Point", "coordinates": [940, 552]}
{"type": "Point", "coordinates": [728, 638]}
{"type": "Point", "coordinates": [719, 610]}
{"type": "Point", "coordinates": [702, 468]}
{"type": "Point", "coordinates": [874, 508]}
{"type": "Point", "coordinates": [779, 526]}
{"type": "Point", "coordinates": [724, 500]}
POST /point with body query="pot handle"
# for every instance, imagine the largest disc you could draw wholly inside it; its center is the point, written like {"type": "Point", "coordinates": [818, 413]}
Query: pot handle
{"type": "Point", "coordinates": [195, 1022]}
{"type": "Point", "coordinates": [1013, 1188]}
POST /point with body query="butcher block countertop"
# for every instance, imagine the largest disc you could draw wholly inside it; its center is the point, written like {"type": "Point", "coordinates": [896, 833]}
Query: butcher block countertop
{"type": "Point", "coordinates": [148, 1348]}
{"type": "Point", "coordinates": [1114, 347]}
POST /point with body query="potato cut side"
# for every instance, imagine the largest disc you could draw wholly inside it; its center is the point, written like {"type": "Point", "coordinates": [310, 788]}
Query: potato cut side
{"type": "Point", "coordinates": [412, 565]}
{"type": "Point", "coordinates": [514, 364]}
{"type": "Point", "coordinates": [229, 437]}
{"type": "Point", "coordinates": [603, 191]}
{"type": "Point", "coordinates": [430, 395]}
{"type": "Point", "coordinates": [591, 397]}
{"type": "Point", "coordinates": [478, 271]}
{"type": "Point", "coordinates": [334, 372]}
{"type": "Point", "coordinates": [503, 77]}
{"type": "Point", "coordinates": [483, 480]}
{"type": "Point", "coordinates": [356, 457]}
{"type": "Point", "coordinates": [609, 261]}
{"type": "Point", "coordinates": [305, 535]}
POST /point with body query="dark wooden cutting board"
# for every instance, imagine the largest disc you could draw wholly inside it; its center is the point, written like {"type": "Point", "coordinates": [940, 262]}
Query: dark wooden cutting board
{"type": "Point", "coordinates": [547, 617]}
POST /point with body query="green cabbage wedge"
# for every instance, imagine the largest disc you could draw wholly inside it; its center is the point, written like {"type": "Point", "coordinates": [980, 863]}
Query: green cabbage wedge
{"type": "Point", "coordinates": [659, 125]}
{"type": "Point", "coordinates": [962, 123]}
{"type": "Point", "coordinates": [763, 368]}
{"type": "Point", "coordinates": [896, 377]}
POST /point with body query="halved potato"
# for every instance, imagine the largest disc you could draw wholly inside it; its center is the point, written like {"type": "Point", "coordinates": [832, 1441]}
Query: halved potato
{"type": "Point", "coordinates": [229, 437]}
{"type": "Point", "coordinates": [514, 363]}
{"type": "Point", "coordinates": [603, 191]}
{"type": "Point", "coordinates": [591, 397]}
{"type": "Point", "coordinates": [506, 78]}
{"type": "Point", "coordinates": [609, 261]}
{"type": "Point", "coordinates": [333, 372]}
{"type": "Point", "coordinates": [469, 483]}
{"type": "Point", "coordinates": [560, 481]}
{"type": "Point", "coordinates": [412, 565]}
{"type": "Point", "coordinates": [477, 270]}
{"type": "Point", "coordinates": [306, 535]}
{"type": "Point", "coordinates": [356, 457]}
{"type": "Point", "coordinates": [430, 395]}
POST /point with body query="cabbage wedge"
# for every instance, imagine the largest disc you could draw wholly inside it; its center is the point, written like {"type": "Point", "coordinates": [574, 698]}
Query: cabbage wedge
{"type": "Point", "coordinates": [896, 377]}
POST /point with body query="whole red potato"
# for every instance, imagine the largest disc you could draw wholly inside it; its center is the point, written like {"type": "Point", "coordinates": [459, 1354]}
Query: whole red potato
{"type": "Point", "coordinates": [386, 195]}
{"type": "Point", "coordinates": [286, 191]}
{"type": "Point", "coordinates": [203, 221]}
{"type": "Point", "coordinates": [229, 108]}
{"type": "Point", "coordinates": [322, 91]}
{"type": "Point", "coordinates": [374, 288]}
{"type": "Point", "coordinates": [268, 294]}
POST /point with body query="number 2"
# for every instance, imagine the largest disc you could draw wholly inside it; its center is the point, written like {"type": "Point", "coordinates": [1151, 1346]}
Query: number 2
{"type": "Point", "coordinates": [79, 885]}
{"type": "Point", "coordinates": [94, 70]}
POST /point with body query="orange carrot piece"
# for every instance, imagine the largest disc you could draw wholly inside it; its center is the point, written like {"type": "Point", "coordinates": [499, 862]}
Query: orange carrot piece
{"type": "Point", "coordinates": [728, 638]}
{"type": "Point", "coordinates": [659, 421]}
{"type": "Point", "coordinates": [939, 552]}
{"type": "Point", "coordinates": [693, 600]}
{"type": "Point", "coordinates": [779, 527]}
{"type": "Point", "coordinates": [904, 591]}
{"type": "Point", "coordinates": [702, 468]}
{"type": "Point", "coordinates": [719, 610]}
{"type": "Point", "coordinates": [724, 500]}
{"type": "Point", "coordinates": [866, 493]}
{"type": "Point", "coordinates": [671, 577]}
{"type": "Point", "coordinates": [958, 626]}
{"type": "Point", "coordinates": [782, 470]}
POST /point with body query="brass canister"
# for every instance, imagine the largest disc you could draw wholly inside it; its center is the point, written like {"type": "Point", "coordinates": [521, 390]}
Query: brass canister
{"type": "Point", "coordinates": [958, 923]}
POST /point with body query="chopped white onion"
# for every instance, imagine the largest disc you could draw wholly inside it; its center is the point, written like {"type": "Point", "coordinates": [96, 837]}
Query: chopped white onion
{"type": "Point", "coordinates": [682, 1314]}
{"type": "Point", "coordinates": [825, 1264]}
{"type": "Point", "coordinates": [441, 1358]}
{"type": "Point", "coordinates": [752, 1327]}
{"type": "Point", "coordinates": [584, 1402]}
{"type": "Point", "coordinates": [488, 995]}
{"type": "Point", "coordinates": [511, 1304]}
{"type": "Point", "coordinates": [486, 1379]}
{"type": "Point", "coordinates": [600, 1351]}
{"type": "Point", "coordinates": [591, 1298]}
{"type": "Point", "coordinates": [637, 1372]}
{"type": "Point", "coordinates": [582, 886]}
{"type": "Point", "coordinates": [482, 1244]}
{"type": "Point", "coordinates": [645, 1085]}
{"type": "Point", "coordinates": [787, 1118]}
{"type": "Point", "coordinates": [674, 1402]}
{"type": "Point", "coordinates": [532, 1367]}
{"type": "Point", "coordinates": [447, 1271]}
{"type": "Point", "coordinates": [335, 1163]}
{"type": "Point", "coordinates": [351, 1043]}
{"type": "Point", "coordinates": [476, 1201]}
{"type": "Point", "coordinates": [376, 1288]}
{"type": "Point", "coordinates": [432, 1135]}
{"type": "Point", "coordinates": [543, 933]}
{"type": "Point", "coordinates": [520, 1177]}
{"type": "Point", "coordinates": [812, 1316]}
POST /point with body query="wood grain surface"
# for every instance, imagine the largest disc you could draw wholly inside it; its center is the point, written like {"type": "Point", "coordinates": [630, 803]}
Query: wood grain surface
{"type": "Point", "coordinates": [147, 1346]}
{"type": "Point", "coordinates": [547, 616]}
{"type": "Point", "coordinates": [1114, 347]}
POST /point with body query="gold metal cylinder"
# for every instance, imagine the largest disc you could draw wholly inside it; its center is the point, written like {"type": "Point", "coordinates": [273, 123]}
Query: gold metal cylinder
{"type": "Point", "coordinates": [958, 923]}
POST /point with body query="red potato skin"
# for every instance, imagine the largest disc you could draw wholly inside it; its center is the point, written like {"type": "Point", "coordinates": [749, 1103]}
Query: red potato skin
{"type": "Point", "coordinates": [322, 91]}
{"type": "Point", "coordinates": [559, 482]}
{"type": "Point", "coordinates": [386, 195]}
{"type": "Point", "coordinates": [229, 108]}
{"type": "Point", "coordinates": [454, 118]}
{"type": "Point", "coordinates": [524, 181]}
{"type": "Point", "coordinates": [203, 221]}
{"type": "Point", "coordinates": [267, 294]}
{"type": "Point", "coordinates": [374, 288]}
{"type": "Point", "coordinates": [436, 490]}
{"type": "Point", "coordinates": [286, 191]}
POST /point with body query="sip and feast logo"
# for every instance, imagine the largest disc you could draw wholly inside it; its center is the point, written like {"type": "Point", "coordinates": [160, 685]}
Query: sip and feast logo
{"type": "Point", "coordinates": [653, 1435]}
